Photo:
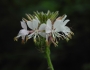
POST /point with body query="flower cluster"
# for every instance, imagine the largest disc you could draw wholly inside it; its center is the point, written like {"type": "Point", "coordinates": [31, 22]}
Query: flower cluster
{"type": "Point", "coordinates": [44, 27]}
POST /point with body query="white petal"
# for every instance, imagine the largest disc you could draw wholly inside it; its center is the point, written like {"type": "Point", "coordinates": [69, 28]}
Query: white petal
{"type": "Point", "coordinates": [41, 29]}
{"type": "Point", "coordinates": [48, 26]}
{"type": "Point", "coordinates": [64, 17]}
{"type": "Point", "coordinates": [35, 24]}
{"type": "Point", "coordinates": [37, 19]}
{"type": "Point", "coordinates": [57, 24]}
{"type": "Point", "coordinates": [23, 32]}
{"type": "Point", "coordinates": [43, 34]}
{"type": "Point", "coordinates": [30, 24]}
{"type": "Point", "coordinates": [23, 24]}
{"type": "Point", "coordinates": [66, 30]}
{"type": "Point", "coordinates": [65, 22]}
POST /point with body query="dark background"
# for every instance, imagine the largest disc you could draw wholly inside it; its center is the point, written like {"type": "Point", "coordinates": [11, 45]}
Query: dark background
{"type": "Point", "coordinates": [73, 55]}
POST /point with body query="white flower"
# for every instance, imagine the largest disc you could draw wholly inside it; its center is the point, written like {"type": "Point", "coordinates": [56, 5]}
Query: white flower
{"type": "Point", "coordinates": [23, 32]}
{"type": "Point", "coordinates": [52, 29]}
{"type": "Point", "coordinates": [60, 26]}
{"type": "Point", "coordinates": [36, 29]}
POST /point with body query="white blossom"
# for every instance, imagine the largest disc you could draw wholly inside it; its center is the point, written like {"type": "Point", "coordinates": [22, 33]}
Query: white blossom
{"type": "Point", "coordinates": [37, 29]}
{"type": "Point", "coordinates": [45, 26]}
{"type": "Point", "coordinates": [58, 26]}
{"type": "Point", "coordinates": [23, 32]}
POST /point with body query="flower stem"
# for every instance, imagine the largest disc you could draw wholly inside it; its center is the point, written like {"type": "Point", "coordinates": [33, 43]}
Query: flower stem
{"type": "Point", "coordinates": [47, 51]}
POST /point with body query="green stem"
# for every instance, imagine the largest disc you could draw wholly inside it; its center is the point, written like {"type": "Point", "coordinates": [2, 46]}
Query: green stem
{"type": "Point", "coordinates": [47, 51]}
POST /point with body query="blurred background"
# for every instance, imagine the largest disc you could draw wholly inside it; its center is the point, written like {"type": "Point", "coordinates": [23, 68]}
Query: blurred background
{"type": "Point", "coordinates": [74, 55]}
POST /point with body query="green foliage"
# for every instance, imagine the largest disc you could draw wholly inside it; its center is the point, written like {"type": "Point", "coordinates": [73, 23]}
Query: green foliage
{"type": "Point", "coordinates": [43, 17]}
